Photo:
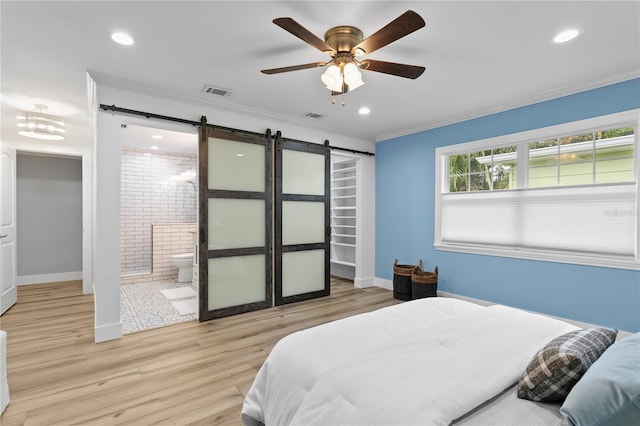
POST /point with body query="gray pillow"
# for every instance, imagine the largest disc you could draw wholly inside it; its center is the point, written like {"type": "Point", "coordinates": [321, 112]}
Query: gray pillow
{"type": "Point", "coordinates": [609, 392]}
{"type": "Point", "coordinates": [557, 367]}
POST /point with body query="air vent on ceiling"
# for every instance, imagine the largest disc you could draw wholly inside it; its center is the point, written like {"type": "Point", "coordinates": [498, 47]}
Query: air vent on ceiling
{"type": "Point", "coordinates": [215, 91]}
{"type": "Point", "coordinates": [313, 115]}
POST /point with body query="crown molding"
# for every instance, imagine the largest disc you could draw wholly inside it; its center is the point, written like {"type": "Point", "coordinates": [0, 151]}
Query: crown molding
{"type": "Point", "coordinates": [146, 89]}
{"type": "Point", "coordinates": [547, 95]}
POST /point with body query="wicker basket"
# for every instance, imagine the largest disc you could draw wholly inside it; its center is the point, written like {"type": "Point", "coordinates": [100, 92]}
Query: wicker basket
{"type": "Point", "coordinates": [402, 280]}
{"type": "Point", "coordinates": [423, 283]}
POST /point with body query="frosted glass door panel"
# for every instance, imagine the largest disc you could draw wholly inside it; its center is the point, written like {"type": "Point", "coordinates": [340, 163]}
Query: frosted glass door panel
{"type": "Point", "coordinates": [302, 222]}
{"type": "Point", "coordinates": [302, 272]}
{"type": "Point", "coordinates": [236, 166]}
{"type": "Point", "coordinates": [302, 173]}
{"type": "Point", "coordinates": [236, 223]}
{"type": "Point", "coordinates": [236, 281]}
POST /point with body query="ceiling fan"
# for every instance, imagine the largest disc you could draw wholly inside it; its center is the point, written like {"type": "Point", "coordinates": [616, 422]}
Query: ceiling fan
{"type": "Point", "coordinates": [345, 43]}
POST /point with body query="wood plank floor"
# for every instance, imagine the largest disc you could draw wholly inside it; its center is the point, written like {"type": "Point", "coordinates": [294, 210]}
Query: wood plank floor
{"type": "Point", "coordinates": [189, 373]}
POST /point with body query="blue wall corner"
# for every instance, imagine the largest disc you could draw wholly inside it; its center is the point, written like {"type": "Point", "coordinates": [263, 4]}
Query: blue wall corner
{"type": "Point", "coordinates": [405, 220]}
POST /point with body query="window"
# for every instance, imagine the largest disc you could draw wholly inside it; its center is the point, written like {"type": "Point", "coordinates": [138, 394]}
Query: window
{"type": "Point", "coordinates": [489, 169]}
{"type": "Point", "coordinates": [567, 193]}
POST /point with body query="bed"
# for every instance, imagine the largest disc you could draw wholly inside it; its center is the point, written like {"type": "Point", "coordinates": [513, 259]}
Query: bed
{"type": "Point", "coordinates": [433, 361]}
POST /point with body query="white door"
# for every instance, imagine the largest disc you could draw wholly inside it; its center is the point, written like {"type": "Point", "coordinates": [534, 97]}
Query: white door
{"type": "Point", "coordinates": [8, 293]}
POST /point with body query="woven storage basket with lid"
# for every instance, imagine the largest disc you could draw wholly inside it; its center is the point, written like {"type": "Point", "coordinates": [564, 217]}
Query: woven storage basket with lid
{"type": "Point", "coordinates": [402, 280]}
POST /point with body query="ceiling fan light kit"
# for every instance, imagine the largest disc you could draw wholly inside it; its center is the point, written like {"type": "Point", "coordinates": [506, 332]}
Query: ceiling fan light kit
{"type": "Point", "coordinates": [345, 43]}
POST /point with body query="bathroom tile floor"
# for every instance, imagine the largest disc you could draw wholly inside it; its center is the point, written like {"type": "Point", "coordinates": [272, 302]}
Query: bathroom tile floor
{"type": "Point", "coordinates": [143, 306]}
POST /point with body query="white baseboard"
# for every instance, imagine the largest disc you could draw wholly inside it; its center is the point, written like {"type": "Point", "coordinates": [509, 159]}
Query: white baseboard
{"type": "Point", "coordinates": [48, 278]}
{"type": "Point", "coordinates": [107, 332]}
{"type": "Point", "coordinates": [465, 298]}
{"type": "Point", "coordinates": [364, 282]}
{"type": "Point", "coordinates": [384, 283]}
{"type": "Point", "coordinates": [388, 284]}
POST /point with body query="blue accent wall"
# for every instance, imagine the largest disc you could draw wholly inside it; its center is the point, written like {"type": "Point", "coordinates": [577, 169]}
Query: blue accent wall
{"type": "Point", "coordinates": [405, 220]}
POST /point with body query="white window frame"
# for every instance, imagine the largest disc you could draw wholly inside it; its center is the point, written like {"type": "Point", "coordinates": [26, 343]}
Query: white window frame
{"type": "Point", "coordinates": [622, 119]}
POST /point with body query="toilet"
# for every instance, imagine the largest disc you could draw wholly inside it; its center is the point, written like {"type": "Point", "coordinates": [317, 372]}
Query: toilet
{"type": "Point", "coordinates": [184, 263]}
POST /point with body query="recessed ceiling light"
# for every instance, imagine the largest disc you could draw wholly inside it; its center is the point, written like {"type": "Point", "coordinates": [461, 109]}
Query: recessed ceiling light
{"type": "Point", "coordinates": [364, 111]}
{"type": "Point", "coordinates": [156, 136]}
{"type": "Point", "coordinates": [566, 35]}
{"type": "Point", "coordinates": [239, 155]}
{"type": "Point", "coordinates": [122, 38]}
{"type": "Point", "coordinates": [154, 147]}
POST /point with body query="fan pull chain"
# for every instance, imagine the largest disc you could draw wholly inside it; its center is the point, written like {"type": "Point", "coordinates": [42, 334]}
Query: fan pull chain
{"type": "Point", "coordinates": [333, 101]}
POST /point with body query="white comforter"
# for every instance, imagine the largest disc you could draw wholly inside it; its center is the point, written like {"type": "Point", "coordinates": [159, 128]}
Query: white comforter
{"type": "Point", "coordinates": [426, 362]}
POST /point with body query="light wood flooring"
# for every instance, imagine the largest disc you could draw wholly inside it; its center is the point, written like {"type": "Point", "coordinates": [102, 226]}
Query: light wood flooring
{"type": "Point", "coordinates": [188, 373]}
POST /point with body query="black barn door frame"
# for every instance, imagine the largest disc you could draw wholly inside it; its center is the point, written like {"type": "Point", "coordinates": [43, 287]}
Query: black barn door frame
{"type": "Point", "coordinates": [204, 314]}
{"type": "Point", "coordinates": [296, 145]}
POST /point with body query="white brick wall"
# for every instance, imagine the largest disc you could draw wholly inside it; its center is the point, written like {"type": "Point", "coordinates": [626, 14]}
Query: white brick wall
{"type": "Point", "coordinates": [155, 189]}
{"type": "Point", "coordinates": [170, 239]}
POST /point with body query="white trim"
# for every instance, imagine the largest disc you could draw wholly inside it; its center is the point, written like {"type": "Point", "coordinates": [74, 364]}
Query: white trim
{"type": "Point", "coordinates": [610, 120]}
{"type": "Point", "coordinates": [543, 255]}
{"type": "Point", "coordinates": [202, 100]}
{"type": "Point", "coordinates": [441, 188]}
{"type": "Point", "coordinates": [384, 283]}
{"type": "Point", "coordinates": [388, 285]}
{"type": "Point", "coordinates": [107, 332]}
{"type": "Point", "coordinates": [364, 282]}
{"type": "Point", "coordinates": [48, 278]}
{"type": "Point", "coordinates": [487, 303]}
{"type": "Point", "coordinates": [486, 110]}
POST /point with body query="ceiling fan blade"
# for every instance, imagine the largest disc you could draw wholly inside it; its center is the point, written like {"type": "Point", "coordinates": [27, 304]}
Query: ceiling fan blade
{"type": "Point", "coordinates": [400, 70]}
{"type": "Point", "coordinates": [403, 25]}
{"type": "Point", "coordinates": [294, 68]}
{"type": "Point", "coordinates": [303, 34]}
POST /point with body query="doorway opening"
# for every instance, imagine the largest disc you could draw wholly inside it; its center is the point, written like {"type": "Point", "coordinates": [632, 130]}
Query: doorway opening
{"type": "Point", "coordinates": [158, 225]}
{"type": "Point", "coordinates": [49, 211]}
{"type": "Point", "coordinates": [344, 215]}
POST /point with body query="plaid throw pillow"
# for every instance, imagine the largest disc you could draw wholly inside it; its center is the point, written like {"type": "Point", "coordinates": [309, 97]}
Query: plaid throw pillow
{"type": "Point", "coordinates": [559, 365]}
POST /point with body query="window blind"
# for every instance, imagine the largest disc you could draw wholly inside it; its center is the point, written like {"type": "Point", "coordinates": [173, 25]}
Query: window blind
{"type": "Point", "coordinates": [594, 220]}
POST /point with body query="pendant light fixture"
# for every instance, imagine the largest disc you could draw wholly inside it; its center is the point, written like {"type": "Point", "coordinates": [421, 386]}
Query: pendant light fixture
{"type": "Point", "coordinates": [39, 124]}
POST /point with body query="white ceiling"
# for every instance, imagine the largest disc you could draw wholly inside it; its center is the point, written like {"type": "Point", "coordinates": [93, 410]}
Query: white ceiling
{"type": "Point", "coordinates": [480, 57]}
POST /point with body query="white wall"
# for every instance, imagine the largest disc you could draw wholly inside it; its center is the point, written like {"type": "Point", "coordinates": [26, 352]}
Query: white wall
{"type": "Point", "coordinates": [106, 208]}
{"type": "Point", "coordinates": [49, 208]}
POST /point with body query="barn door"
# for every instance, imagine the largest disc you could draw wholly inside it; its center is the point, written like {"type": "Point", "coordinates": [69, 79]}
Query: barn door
{"type": "Point", "coordinates": [235, 226]}
{"type": "Point", "coordinates": [301, 220]}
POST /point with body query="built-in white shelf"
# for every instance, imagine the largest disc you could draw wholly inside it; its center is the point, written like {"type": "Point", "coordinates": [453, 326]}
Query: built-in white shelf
{"type": "Point", "coordinates": [340, 179]}
{"type": "Point", "coordinates": [343, 170]}
{"type": "Point", "coordinates": [342, 262]}
{"type": "Point", "coordinates": [343, 216]}
{"type": "Point", "coordinates": [343, 235]}
{"type": "Point", "coordinates": [344, 245]}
